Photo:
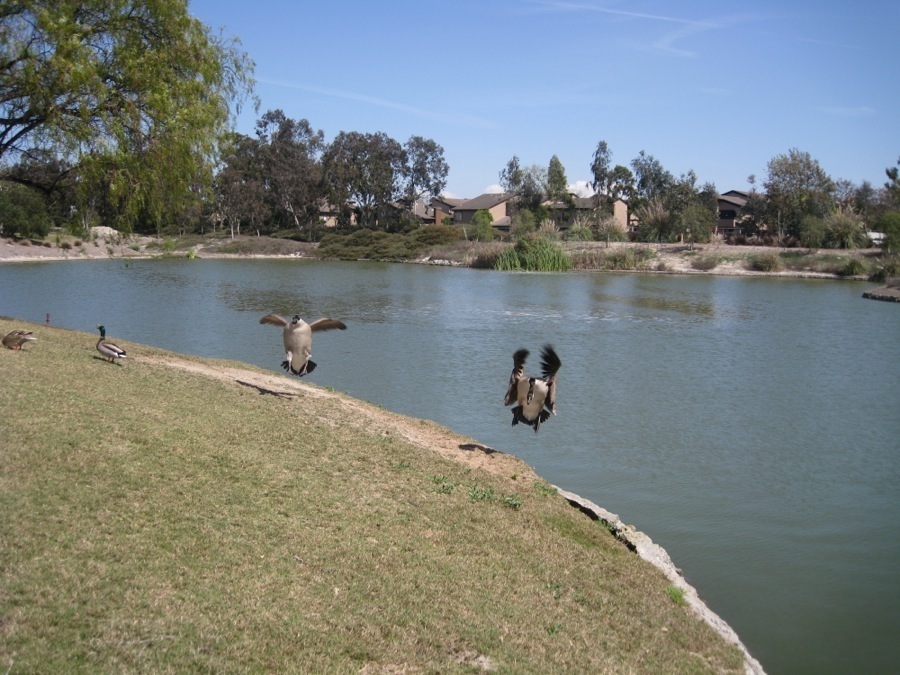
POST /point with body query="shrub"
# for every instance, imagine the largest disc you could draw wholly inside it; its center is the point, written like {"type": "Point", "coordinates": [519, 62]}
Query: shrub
{"type": "Point", "coordinates": [764, 262]}
{"type": "Point", "coordinates": [24, 211]}
{"type": "Point", "coordinates": [853, 267]}
{"type": "Point", "coordinates": [578, 232]}
{"type": "Point", "coordinates": [845, 229]}
{"type": "Point", "coordinates": [482, 228]}
{"type": "Point", "coordinates": [535, 254]}
{"type": "Point", "coordinates": [705, 263]}
{"type": "Point", "coordinates": [628, 258]}
{"type": "Point", "coordinates": [885, 268]}
{"type": "Point", "coordinates": [435, 235]}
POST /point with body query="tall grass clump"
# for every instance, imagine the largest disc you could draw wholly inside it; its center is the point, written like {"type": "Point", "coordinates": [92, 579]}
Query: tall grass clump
{"type": "Point", "coordinates": [764, 262]}
{"type": "Point", "coordinates": [705, 262]}
{"type": "Point", "coordinates": [885, 268]}
{"type": "Point", "coordinates": [628, 258]}
{"type": "Point", "coordinates": [533, 254]}
{"type": "Point", "coordinates": [853, 267]}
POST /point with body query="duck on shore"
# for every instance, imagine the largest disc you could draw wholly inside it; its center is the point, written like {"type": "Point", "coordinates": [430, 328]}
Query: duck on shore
{"type": "Point", "coordinates": [107, 349]}
{"type": "Point", "coordinates": [16, 339]}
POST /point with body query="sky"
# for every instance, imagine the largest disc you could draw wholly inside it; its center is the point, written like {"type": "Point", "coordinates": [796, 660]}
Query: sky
{"type": "Point", "coordinates": [715, 86]}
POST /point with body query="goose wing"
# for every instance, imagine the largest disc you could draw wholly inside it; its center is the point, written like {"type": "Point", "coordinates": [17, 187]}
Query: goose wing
{"type": "Point", "coordinates": [518, 372]}
{"type": "Point", "coordinates": [550, 365]}
{"type": "Point", "coordinates": [327, 324]}
{"type": "Point", "coordinates": [274, 320]}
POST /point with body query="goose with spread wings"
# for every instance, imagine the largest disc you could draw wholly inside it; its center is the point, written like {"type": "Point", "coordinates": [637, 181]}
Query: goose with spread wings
{"type": "Point", "coordinates": [535, 397]}
{"type": "Point", "coordinates": [298, 340]}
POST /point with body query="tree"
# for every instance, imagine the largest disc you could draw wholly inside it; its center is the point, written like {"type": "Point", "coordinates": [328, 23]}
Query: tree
{"type": "Point", "coordinates": [796, 186]}
{"type": "Point", "coordinates": [558, 191]}
{"type": "Point", "coordinates": [889, 224]}
{"type": "Point", "coordinates": [697, 223]}
{"type": "Point", "coordinates": [600, 169]}
{"type": "Point", "coordinates": [557, 185]}
{"type": "Point", "coordinates": [652, 181]}
{"type": "Point", "coordinates": [621, 184]}
{"type": "Point", "coordinates": [893, 185]}
{"type": "Point", "coordinates": [22, 212]}
{"type": "Point", "coordinates": [366, 169]}
{"type": "Point", "coordinates": [612, 184]}
{"type": "Point", "coordinates": [482, 228]}
{"type": "Point", "coordinates": [426, 169]}
{"type": "Point", "coordinates": [134, 95]}
{"type": "Point", "coordinates": [241, 195]}
{"type": "Point", "coordinates": [290, 153]}
{"type": "Point", "coordinates": [512, 176]}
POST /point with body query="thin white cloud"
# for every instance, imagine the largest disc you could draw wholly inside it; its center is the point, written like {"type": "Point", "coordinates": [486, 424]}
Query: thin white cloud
{"type": "Point", "coordinates": [493, 189]}
{"type": "Point", "coordinates": [556, 5]}
{"type": "Point", "coordinates": [667, 43]}
{"type": "Point", "coordinates": [455, 119]}
{"type": "Point", "coordinates": [848, 111]}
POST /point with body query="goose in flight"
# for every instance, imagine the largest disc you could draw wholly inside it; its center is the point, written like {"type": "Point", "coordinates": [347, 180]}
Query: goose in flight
{"type": "Point", "coordinates": [535, 397]}
{"type": "Point", "coordinates": [298, 340]}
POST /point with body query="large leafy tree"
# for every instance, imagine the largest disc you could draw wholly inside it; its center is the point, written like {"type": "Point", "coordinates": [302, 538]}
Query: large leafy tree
{"type": "Point", "coordinates": [291, 168]}
{"type": "Point", "coordinates": [426, 169]}
{"type": "Point", "coordinates": [242, 196]}
{"type": "Point", "coordinates": [796, 186]}
{"type": "Point", "coordinates": [22, 212]}
{"type": "Point", "coordinates": [366, 169]}
{"type": "Point", "coordinates": [611, 183]}
{"type": "Point", "coordinates": [652, 181]}
{"type": "Point", "coordinates": [133, 94]}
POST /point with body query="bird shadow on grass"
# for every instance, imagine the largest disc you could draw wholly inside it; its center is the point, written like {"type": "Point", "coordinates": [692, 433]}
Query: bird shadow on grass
{"type": "Point", "coordinates": [112, 363]}
{"type": "Point", "coordinates": [264, 392]}
{"type": "Point", "coordinates": [477, 446]}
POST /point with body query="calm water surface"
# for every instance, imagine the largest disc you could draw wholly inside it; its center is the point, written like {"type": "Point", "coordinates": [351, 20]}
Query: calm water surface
{"type": "Point", "coordinates": [749, 426]}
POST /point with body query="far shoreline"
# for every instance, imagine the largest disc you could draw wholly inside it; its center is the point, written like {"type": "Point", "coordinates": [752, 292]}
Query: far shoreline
{"type": "Point", "coordinates": [668, 258]}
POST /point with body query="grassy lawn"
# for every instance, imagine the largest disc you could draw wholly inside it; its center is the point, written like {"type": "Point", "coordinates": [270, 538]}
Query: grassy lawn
{"type": "Point", "coordinates": [175, 514]}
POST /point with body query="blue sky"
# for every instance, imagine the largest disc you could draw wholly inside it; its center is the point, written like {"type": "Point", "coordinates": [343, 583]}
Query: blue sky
{"type": "Point", "coordinates": [719, 87]}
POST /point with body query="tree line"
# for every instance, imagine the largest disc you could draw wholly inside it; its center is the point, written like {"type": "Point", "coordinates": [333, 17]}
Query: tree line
{"type": "Point", "coordinates": [120, 113]}
{"type": "Point", "coordinates": [799, 204]}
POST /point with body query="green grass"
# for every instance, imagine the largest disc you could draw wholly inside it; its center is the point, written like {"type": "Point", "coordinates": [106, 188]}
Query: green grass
{"type": "Point", "coordinates": [160, 520]}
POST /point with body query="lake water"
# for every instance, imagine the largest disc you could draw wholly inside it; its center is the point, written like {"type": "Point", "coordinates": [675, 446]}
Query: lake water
{"type": "Point", "coordinates": [750, 426]}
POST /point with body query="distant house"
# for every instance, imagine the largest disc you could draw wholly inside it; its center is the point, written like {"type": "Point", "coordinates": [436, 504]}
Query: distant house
{"type": "Point", "coordinates": [501, 208]}
{"type": "Point", "coordinates": [443, 207]}
{"type": "Point", "coordinates": [583, 206]}
{"type": "Point", "coordinates": [730, 205]}
{"type": "Point", "coordinates": [497, 204]}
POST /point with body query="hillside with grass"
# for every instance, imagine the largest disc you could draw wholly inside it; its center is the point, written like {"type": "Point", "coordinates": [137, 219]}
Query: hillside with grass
{"type": "Point", "coordinates": [175, 514]}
